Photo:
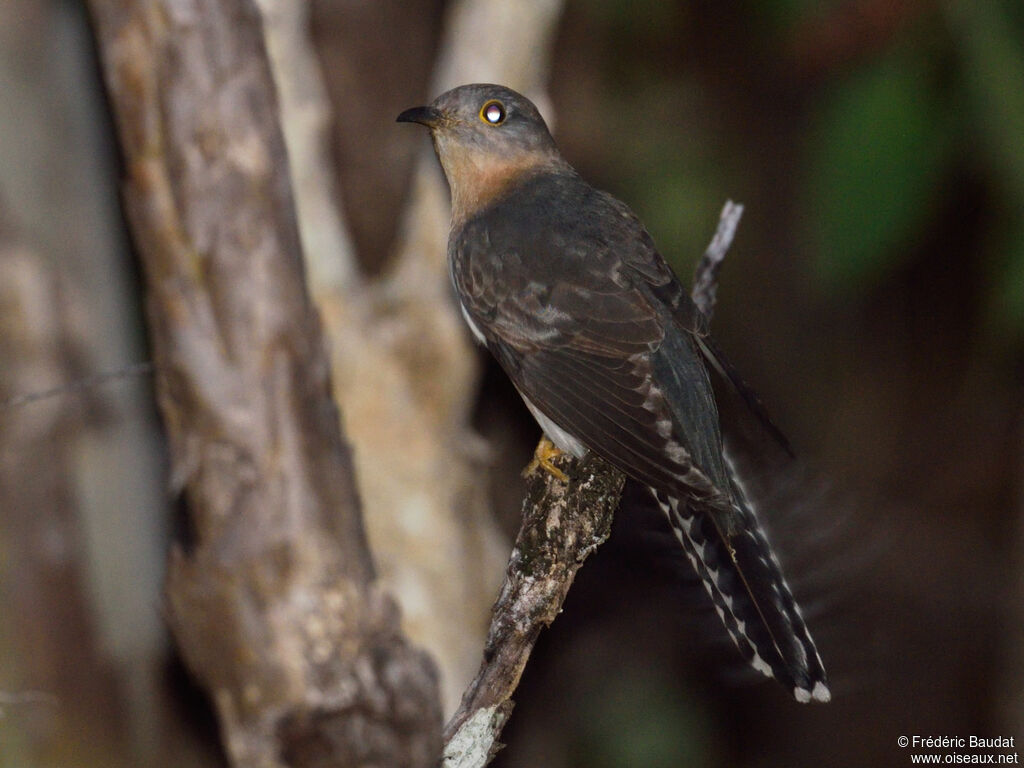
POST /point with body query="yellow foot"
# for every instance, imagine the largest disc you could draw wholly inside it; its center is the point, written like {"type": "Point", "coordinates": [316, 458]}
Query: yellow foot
{"type": "Point", "coordinates": [542, 456]}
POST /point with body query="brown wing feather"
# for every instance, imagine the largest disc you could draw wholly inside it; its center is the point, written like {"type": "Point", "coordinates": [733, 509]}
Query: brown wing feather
{"type": "Point", "coordinates": [577, 310]}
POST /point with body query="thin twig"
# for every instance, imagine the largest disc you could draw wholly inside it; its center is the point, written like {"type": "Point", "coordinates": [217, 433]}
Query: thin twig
{"type": "Point", "coordinates": [84, 384]}
{"type": "Point", "coordinates": [705, 279]}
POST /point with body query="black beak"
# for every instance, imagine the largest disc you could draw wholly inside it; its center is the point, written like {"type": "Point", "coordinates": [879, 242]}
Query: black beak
{"type": "Point", "coordinates": [427, 116]}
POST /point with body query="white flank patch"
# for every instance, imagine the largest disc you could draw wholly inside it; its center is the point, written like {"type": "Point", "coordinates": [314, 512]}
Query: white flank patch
{"type": "Point", "coordinates": [562, 439]}
{"type": "Point", "coordinates": [477, 333]}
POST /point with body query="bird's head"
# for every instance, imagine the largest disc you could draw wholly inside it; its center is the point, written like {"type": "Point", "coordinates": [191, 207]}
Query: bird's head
{"type": "Point", "coordinates": [486, 136]}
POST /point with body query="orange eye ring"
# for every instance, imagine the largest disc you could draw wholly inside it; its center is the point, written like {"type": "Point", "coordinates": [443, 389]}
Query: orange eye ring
{"type": "Point", "coordinates": [493, 113]}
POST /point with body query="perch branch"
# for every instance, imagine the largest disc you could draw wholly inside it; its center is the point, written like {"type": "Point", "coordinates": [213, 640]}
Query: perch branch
{"type": "Point", "coordinates": [562, 524]}
{"type": "Point", "coordinates": [84, 385]}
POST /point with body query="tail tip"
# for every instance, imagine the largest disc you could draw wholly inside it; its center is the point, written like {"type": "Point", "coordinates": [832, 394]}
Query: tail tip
{"type": "Point", "coordinates": [819, 693]}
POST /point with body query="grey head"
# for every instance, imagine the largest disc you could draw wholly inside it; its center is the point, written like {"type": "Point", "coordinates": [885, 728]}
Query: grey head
{"type": "Point", "coordinates": [486, 137]}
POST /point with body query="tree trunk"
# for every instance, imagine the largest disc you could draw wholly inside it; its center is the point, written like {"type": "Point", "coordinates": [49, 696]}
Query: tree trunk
{"type": "Point", "coordinates": [274, 602]}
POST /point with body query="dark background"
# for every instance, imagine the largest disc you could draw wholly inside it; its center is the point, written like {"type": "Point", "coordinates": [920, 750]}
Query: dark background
{"type": "Point", "coordinates": [874, 296]}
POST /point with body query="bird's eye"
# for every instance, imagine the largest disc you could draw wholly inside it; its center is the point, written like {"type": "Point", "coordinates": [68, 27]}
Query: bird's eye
{"type": "Point", "coordinates": [493, 113]}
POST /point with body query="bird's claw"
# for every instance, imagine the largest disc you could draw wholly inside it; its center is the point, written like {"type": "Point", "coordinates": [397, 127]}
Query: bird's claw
{"type": "Point", "coordinates": [543, 457]}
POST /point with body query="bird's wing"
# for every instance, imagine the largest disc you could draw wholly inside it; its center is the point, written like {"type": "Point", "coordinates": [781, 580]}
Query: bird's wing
{"type": "Point", "coordinates": [666, 289]}
{"type": "Point", "coordinates": [585, 329]}
{"type": "Point", "coordinates": [607, 382]}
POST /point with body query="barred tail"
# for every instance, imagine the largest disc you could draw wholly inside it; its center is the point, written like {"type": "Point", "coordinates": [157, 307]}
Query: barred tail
{"type": "Point", "coordinates": [745, 583]}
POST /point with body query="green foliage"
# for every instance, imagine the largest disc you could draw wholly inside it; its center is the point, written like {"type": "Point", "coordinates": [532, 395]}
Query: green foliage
{"type": "Point", "coordinates": [889, 132]}
{"type": "Point", "coordinates": [990, 44]}
{"type": "Point", "coordinates": [905, 119]}
{"type": "Point", "coordinates": [878, 156]}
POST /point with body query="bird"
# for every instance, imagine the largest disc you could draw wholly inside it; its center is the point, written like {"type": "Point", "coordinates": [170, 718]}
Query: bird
{"type": "Point", "coordinates": [562, 283]}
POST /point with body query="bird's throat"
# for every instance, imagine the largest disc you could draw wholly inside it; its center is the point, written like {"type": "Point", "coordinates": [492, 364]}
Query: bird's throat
{"type": "Point", "coordinates": [477, 181]}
